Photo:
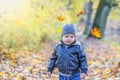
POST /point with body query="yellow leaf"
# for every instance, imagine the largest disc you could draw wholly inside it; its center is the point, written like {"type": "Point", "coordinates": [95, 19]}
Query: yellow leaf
{"type": "Point", "coordinates": [2, 73]}
{"type": "Point", "coordinates": [59, 30]}
{"type": "Point", "coordinates": [95, 32]}
{"type": "Point", "coordinates": [106, 71]}
{"type": "Point", "coordinates": [13, 62]}
{"type": "Point", "coordinates": [80, 12]}
{"type": "Point", "coordinates": [12, 55]}
{"type": "Point", "coordinates": [1, 46]}
{"type": "Point", "coordinates": [104, 76]}
{"type": "Point", "coordinates": [55, 79]}
{"type": "Point", "coordinates": [6, 51]}
{"type": "Point", "coordinates": [60, 18]}
{"type": "Point", "coordinates": [40, 62]}
{"type": "Point", "coordinates": [10, 75]}
{"type": "Point", "coordinates": [19, 78]}
{"type": "Point", "coordinates": [89, 62]}
{"type": "Point", "coordinates": [31, 69]}
{"type": "Point", "coordinates": [98, 62]}
{"type": "Point", "coordinates": [35, 61]}
{"type": "Point", "coordinates": [97, 70]}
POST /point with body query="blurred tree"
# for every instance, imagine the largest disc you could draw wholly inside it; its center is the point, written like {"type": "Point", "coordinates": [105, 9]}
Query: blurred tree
{"type": "Point", "coordinates": [101, 16]}
{"type": "Point", "coordinates": [89, 15]}
{"type": "Point", "coordinates": [69, 5]}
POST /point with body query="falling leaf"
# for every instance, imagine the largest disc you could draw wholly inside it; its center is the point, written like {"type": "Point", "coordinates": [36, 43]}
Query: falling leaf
{"type": "Point", "coordinates": [95, 32]}
{"type": "Point", "coordinates": [80, 12]}
{"type": "Point", "coordinates": [60, 18]}
{"type": "Point", "coordinates": [59, 30]}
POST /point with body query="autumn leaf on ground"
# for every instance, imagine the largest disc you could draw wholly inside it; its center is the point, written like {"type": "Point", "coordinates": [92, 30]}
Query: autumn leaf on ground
{"type": "Point", "coordinates": [106, 71]}
{"type": "Point", "coordinates": [97, 70]}
{"type": "Point", "coordinates": [79, 13]}
{"type": "Point", "coordinates": [115, 70]}
{"type": "Point", "coordinates": [55, 79]}
{"type": "Point", "coordinates": [104, 76]}
{"type": "Point", "coordinates": [95, 32]}
{"type": "Point", "coordinates": [1, 46]}
{"type": "Point", "coordinates": [2, 74]}
{"type": "Point", "coordinates": [60, 17]}
{"type": "Point", "coordinates": [19, 78]}
{"type": "Point", "coordinates": [10, 75]}
{"type": "Point", "coordinates": [89, 62]}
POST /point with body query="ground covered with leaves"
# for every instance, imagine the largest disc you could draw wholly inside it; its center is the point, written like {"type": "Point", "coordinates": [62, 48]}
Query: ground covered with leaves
{"type": "Point", "coordinates": [103, 61]}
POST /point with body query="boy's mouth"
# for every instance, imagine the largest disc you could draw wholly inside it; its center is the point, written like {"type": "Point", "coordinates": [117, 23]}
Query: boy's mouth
{"type": "Point", "coordinates": [68, 42]}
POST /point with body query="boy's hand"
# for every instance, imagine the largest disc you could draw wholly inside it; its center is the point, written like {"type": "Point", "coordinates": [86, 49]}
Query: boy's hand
{"type": "Point", "coordinates": [49, 74]}
{"type": "Point", "coordinates": [83, 75]}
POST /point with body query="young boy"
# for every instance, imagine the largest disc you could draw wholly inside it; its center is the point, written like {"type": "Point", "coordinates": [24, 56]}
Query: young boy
{"type": "Point", "coordinates": [69, 56]}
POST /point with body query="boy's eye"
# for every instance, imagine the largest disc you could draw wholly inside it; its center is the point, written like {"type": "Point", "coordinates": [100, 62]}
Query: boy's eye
{"type": "Point", "coordinates": [66, 36]}
{"type": "Point", "coordinates": [71, 36]}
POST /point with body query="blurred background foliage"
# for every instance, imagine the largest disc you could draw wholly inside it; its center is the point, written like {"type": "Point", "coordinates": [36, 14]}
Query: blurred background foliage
{"type": "Point", "coordinates": [30, 23]}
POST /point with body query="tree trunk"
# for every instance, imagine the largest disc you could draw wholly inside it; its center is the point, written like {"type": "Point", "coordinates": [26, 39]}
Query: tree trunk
{"type": "Point", "coordinates": [89, 15]}
{"type": "Point", "coordinates": [101, 16]}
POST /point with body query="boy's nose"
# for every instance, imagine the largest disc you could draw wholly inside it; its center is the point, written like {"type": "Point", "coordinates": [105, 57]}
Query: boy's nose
{"type": "Point", "coordinates": [69, 39]}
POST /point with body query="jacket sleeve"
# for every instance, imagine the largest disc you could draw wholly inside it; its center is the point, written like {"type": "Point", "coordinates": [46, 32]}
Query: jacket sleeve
{"type": "Point", "coordinates": [82, 60]}
{"type": "Point", "coordinates": [52, 61]}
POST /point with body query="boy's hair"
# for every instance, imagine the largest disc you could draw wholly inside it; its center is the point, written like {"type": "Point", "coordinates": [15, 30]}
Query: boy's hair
{"type": "Point", "coordinates": [68, 29]}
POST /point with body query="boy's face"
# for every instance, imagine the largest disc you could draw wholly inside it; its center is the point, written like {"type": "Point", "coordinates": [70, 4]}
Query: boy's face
{"type": "Point", "coordinates": [68, 39]}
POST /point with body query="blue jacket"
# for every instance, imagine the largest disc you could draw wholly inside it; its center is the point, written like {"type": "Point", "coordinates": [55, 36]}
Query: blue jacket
{"type": "Point", "coordinates": [68, 60]}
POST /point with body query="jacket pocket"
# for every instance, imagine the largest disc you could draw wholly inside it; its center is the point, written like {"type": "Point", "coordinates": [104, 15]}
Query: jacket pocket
{"type": "Point", "coordinates": [59, 60]}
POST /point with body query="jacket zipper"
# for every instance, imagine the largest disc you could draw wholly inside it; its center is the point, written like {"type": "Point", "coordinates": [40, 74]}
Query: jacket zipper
{"type": "Point", "coordinates": [66, 49]}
